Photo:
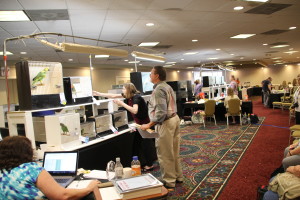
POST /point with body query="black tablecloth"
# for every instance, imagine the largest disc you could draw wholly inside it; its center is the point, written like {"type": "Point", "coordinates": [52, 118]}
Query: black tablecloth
{"type": "Point", "coordinates": [220, 111]}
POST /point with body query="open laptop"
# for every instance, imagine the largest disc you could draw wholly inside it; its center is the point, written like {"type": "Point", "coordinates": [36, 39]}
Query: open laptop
{"type": "Point", "coordinates": [62, 165]}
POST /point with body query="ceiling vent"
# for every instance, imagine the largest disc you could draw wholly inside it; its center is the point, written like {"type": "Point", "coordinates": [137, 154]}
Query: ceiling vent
{"type": "Point", "coordinates": [46, 15]}
{"type": "Point", "coordinates": [173, 9]}
{"type": "Point", "coordinates": [268, 8]}
{"type": "Point", "coordinates": [269, 52]}
{"type": "Point", "coordinates": [274, 32]}
{"type": "Point", "coordinates": [162, 46]}
{"type": "Point", "coordinates": [278, 43]}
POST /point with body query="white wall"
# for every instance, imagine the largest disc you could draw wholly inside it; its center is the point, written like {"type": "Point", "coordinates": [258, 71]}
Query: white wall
{"type": "Point", "coordinates": [256, 75]}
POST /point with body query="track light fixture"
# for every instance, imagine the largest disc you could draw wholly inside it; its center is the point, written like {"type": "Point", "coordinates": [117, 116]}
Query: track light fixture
{"type": "Point", "coordinates": [146, 56]}
{"type": "Point", "coordinates": [78, 48]}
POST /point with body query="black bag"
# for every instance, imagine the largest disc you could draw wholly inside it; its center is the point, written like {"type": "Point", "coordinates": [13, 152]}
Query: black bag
{"type": "Point", "coordinates": [278, 170]}
{"type": "Point", "coordinates": [261, 190]}
{"type": "Point", "coordinates": [254, 119]}
{"type": "Point", "coordinates": [295, 105]}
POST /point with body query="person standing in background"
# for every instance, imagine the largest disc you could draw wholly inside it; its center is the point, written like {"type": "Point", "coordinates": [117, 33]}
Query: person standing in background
{"type": "Point", "coordinates": [266, 89]}
{"type": "Point", "coordinates": [136, 105]}
{"type": "Point", "coordinates": [198, 88]}
{"type": "Point", "coordinates": [233, 84]}
{"type": "Point", "coordinates": [162, 113]}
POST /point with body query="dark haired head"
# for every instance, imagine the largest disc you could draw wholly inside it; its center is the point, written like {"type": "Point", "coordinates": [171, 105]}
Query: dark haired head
{"type": "Point", "coordinates": [161, 71]}
{"type": "Point", "coordinates": [15, 151]}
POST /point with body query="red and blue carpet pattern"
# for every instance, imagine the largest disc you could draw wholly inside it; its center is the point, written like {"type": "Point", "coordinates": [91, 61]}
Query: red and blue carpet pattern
{"type": "Point", "coordinates": [209, 155]}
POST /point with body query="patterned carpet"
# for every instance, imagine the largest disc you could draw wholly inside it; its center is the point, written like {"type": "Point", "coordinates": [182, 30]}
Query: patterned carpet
{"type": "Point", "coordinates": [209, 155]}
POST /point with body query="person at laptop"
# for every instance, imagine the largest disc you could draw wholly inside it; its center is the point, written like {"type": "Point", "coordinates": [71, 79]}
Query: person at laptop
{"type": "Point", "coordinates": [136, 105]}
{"type": "Point", "coordinates": [21, 178]}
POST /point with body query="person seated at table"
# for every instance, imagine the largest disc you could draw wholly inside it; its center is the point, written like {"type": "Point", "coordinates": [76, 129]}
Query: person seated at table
{"type": "Point", "coordinates": [230, 95]}
{"type": "Point", "coordinates": [21, 178]}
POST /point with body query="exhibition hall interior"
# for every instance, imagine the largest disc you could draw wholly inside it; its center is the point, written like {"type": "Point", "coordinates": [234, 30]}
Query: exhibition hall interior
{"type": "Point", "coordinates": [77, 77]}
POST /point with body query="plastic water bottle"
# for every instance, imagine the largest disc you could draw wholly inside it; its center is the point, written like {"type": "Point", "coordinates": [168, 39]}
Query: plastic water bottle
{"type": "Point", "coordinates": [118, 169]}
{"type": "Point", "coordinates": [248, 119]}
{"type": "Point", "coordinates": [136, 166]}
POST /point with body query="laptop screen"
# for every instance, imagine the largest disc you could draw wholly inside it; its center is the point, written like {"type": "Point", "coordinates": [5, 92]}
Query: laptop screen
{"type": "Point", "coordinates": [61, 163]}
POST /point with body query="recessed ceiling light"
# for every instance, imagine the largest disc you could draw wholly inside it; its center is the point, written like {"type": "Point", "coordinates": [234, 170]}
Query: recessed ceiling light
{"type": "Point", "coordinates": [218, 49]}
{"type": "Point", "coordinates": [241, 58]}
{"type": "Point", "coordinates": [238, 8]}
{"type": "Point", "coordinates": [133, 61]}
{"type": "Point", "coordinates": [290, 52]}
{"type": "Point", "coordinates": [92, 68]}
{"type": "Point", "coordinates": [194, 40]}
{"type": "Point", "coordinates": [8, 16]}
{"type": "Point", "coordinates": [131, 69]}
{"type": "Point", "coordinates": [148, 44]}
{"type": "Point", "coordinates": [212, 58]}
{"type": "Point", "coordinates": [253, 59]}
{"type": "Point", "coordinates": [232, 54]}
{"type": "Point", "coordinates": [280, 46]}
{"type": "Point", "coordinates": [126, 60]}
{"type": "Point", "coordinates": [150, 24]}
{"type": "Point", "coordinates": [7, 53]}
{"type": "Point", "coordinates": [190, 67]}
{"type": "Point", "coordinates": [276, 58]}
{"type": "Point", "coordinates": [170, 63]}
{"type": "Point", "coordinates": [167, 66]}
{"type": "Point", "coordinates": [23, 52]}
{"type": "Point", "coordinates": [242, 36]}
{"type": "Point", "coordinates": [292, 27]}
{"type": "Point", "coordinates": [70, 59]}
{"type": "Point", "coordinates": [181, 59]}
{"type": "Point", "coordinates": [265, 44]}
{"type": "Point", "coordinates": [101, 56]}
{"type": "Point", "coordinates": [190, 53]}
{"type": "Point", "coordinates": [178, 71]}
{"type": "Point", "coordinates": [258, 0]}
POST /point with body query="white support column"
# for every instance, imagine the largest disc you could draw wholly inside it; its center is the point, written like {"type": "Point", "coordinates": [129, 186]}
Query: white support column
{"type": "Point", "coordinates": [25, 118]}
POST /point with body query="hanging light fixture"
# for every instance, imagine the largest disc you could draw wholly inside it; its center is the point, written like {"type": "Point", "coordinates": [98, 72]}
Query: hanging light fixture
{"type": "Point", "coordinates": [79, 48]}
{"type": "Point", "coordinates": [146, 56]}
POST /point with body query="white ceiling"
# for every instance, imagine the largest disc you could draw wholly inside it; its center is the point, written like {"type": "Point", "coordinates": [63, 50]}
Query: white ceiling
{"type": "Point", "coordinates": [177, 22]}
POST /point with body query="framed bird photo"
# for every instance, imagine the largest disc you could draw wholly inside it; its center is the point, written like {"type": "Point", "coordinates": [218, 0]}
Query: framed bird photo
{"type": "Point", "coordinates": [40, 85]}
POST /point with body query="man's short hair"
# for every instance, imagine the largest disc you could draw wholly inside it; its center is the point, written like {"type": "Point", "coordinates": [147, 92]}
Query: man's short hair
{"type": "Point", "coordinates": [161, 71]}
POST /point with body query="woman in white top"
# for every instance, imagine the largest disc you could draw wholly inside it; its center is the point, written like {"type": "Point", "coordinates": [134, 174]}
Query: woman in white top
{"type": "Point", "coordinates": [230, 95]}
{"type": "Point", "coordinates": [296, 104]}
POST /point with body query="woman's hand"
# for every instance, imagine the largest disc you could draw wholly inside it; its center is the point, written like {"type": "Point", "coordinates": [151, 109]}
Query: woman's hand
{"type": "Point", "coordinates": [120, 103]}
{"type": "Point", "coordinates": [93, 184]}
{"type": "Point", "coordinates": [95, 93]}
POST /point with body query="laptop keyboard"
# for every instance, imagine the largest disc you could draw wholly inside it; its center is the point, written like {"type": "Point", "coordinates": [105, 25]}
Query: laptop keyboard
{"type": "Point", "coordinates": [62, 180]}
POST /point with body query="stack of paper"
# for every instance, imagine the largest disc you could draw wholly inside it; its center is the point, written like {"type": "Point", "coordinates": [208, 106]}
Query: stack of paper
{"type": "Point", "coordinates": [138, 186]}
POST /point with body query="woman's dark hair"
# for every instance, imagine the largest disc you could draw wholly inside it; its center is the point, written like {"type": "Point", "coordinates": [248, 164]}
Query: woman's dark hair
{"type": "Point", "coordinates": [161, 71]}
{"type": "Point", "coordinates": [15, 151]}
{"type": "Point", "coordinates": [130, 90]}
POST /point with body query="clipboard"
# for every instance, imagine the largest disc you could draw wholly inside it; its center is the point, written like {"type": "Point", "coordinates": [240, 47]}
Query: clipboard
{"type": "Point", "coordinates": [149, 133]}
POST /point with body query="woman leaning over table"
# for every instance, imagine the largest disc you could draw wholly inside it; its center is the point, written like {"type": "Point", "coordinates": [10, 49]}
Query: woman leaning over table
{"type": "Point", "coordinates": [136, 105]}
{"type": "Point", "coordinates": [21, 178]}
